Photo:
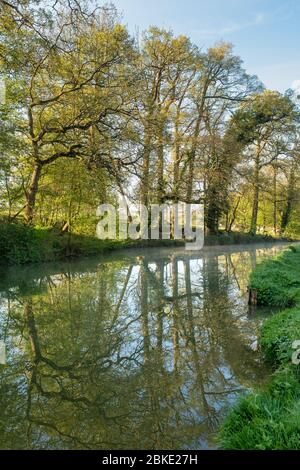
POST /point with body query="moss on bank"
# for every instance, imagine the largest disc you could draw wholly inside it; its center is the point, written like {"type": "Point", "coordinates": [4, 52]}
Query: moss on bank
{"type": "Point", "coordinates": [270, 419]}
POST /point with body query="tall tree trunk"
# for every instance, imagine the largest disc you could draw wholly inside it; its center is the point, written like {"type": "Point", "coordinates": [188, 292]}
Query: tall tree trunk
{"type": "Point", "coordinates": [212, 211]}
{"type": "Point", "coordinates": [275, 198]}
{"type": "Point", "coordinates": [215, 186]}
{"type": "Point", "coordinates": [192, 156]}
{"type": "Point", "coordinates": [215, 195]}
{"type": "Point", "coordinates": [234, 213]}
{"type": "Point", "coordinates": [160, 167]}
{"type": "Point", "coordinates": [160, 176]}
{"type": "Point", "coordinates": [212, 214]}
{"type": "Point", "coordinates": [145, 171]}
{"type": "Point", "coordinates": [289, 201]}
{"type": "Point", "coordinates": [32, 192]}
{"type": "Point", "coordinates": [175, 161]}
{"type": "Point", "coordinates": [190, 177]}
{"type": "Point", "coordinates": [176, 156]}
{"type": "Point", "coordinates": [253, 226]}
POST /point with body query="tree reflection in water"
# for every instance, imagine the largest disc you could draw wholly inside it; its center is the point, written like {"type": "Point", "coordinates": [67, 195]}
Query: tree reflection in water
{"type": "Point", "coordinates": [133, 351]}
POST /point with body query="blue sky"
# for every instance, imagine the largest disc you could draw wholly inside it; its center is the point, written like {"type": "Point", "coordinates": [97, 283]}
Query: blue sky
{"type": "Point", "coordinates": [265, 33]}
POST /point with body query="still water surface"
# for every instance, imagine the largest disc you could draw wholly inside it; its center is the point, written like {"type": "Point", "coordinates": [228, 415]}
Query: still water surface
{"type": "Point", "coordinates": [136, 350]}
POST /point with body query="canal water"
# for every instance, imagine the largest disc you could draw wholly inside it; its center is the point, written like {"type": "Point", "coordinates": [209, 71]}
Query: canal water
{"type": "Point", "coordinates": [142, 349]}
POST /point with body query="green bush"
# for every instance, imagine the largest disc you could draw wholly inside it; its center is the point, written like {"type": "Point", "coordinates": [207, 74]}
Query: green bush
{"type": "Point", "coordinates": [20, 244]}
{"type": "Point", "coordinates": [278, 334]}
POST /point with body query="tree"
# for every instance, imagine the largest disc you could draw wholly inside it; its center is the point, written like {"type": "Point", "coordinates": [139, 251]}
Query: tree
{"type": "Point", "coordinates": [72, 89]}
{"type": "Point", "coordinates": [262, 124]}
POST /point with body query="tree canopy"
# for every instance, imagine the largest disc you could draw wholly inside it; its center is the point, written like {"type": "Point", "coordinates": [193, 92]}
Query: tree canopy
{"type": "Point", "coordinates": [92, 112]}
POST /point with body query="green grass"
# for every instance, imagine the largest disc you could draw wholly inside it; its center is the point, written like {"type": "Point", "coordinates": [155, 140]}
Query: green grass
{"type": "Point", "coordinates": [277, 280]}
{"type": "Point", "coordinates": [270, 418]}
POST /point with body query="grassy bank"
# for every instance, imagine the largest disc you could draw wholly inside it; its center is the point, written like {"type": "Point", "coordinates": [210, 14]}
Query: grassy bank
{"type": "Point", "coordinates": [239, 238]}
{"type": "Point", "coordinates": [270, 418]}
{"type": "Point", "coordinates": [20, 244]}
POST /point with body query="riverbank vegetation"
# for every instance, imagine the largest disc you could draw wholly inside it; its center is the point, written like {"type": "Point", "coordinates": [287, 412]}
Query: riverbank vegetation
{"type": "Point", "coordinates": [270, 419]}
{"type": "Point", "coordinates": [90, 114]}
{"type": "Point", "coordinates": [22, 244]}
